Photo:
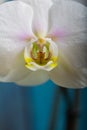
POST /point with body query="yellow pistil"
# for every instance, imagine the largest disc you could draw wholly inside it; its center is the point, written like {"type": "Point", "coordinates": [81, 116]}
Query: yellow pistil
{"type": "Point", "coordinates": [41, 41]}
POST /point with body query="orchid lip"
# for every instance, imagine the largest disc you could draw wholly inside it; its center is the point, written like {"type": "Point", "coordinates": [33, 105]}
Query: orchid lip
{"type": "Point", "coordinates": [41, 54]}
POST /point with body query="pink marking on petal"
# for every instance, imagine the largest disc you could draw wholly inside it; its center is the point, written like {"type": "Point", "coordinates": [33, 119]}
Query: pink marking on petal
{"type": "Point", "coordinates": [57, 34]}
{"type": "Point", "coordinates": [24, 37]}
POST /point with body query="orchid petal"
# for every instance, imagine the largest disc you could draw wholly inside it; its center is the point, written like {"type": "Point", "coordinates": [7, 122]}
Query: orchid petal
{"type": "Point", "coordinates": [41, 14]}
{"type": "Point", "coordinates": [14, 22]}
{"type": "Point", "coordinates": [65, 19]}
{"type": "Point", "coordinates": [12, 64]}
{"type": "Point", "coordinates": [72, 64]}
{"type": "Point", "coordinates": [34, 78]}
{"type": "Point", "coordinates": [66, 75]}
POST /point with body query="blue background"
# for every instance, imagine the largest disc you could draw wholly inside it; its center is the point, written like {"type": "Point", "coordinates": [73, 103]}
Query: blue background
{"type": "Point", "coordinates": [27, 108]}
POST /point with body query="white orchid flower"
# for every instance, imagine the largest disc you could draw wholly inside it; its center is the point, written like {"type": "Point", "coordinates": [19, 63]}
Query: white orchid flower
{"type": "Point", "coordinates": [43, 40]}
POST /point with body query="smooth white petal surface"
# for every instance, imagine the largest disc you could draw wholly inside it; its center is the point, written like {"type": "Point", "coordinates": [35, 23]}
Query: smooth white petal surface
{"type": "Point", "coordinates": [12, 64]}
{"type": "Point", "coordinates": [66, 75]}
{"type": "Point", "coordinates": [64, 16]}
{"type": "Point", "coordinates": [72, 69]}
{"type": "Point", "coordinates": [41, 14]}
{"type": "Point", "coordinates": [15, 25]}
{"type": "Point", "coordinates": [15, 20]}
{"type": "Point", "coordinates": [34, 78]}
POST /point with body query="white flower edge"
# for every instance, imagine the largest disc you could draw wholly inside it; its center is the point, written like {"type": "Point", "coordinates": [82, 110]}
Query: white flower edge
{"type": "Point", "coordinates": [66, 81]}
{"type": "Point", "coordinates": [12, 65]}
{"type": "Point", "coordinates": [73, 47]}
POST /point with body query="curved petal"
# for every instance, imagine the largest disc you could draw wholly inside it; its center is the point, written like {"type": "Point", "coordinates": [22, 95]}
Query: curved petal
{"type": "Point", "coordinates": [73, 46]}
{"type": "Point", "coordinates": [41, 13]}
{"type": "Point", "coordinates": [12, 64]}
{"type": "Point", "coordinates": [34, 78]}
{"type": "Point", "coordinates": [72, 69]}
{"type": "Point", "coordinates": [66, 75]}
{"type": "Point", "coordinates": [14, 22]}
{"type": "Point", "coordinates": [65, 19]}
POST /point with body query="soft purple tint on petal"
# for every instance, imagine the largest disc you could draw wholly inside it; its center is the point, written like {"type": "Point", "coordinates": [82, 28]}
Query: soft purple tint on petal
{"type": "Point", "coordinates": [24, 37]}
{"type": "Point", "coordinates": [70, 16]}
{"type": "Point", "coordinates": [58, 33]}
{"type": "Point", "coordinates": [41, 14]}
{"type": "Point", "coordinates": [14, 21]}
{"type": "Point", "coordinates": [41, 10]}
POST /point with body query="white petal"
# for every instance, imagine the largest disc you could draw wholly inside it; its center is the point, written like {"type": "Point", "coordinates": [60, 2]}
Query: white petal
{"type": "Point", "coordinates": [13, 23]}
{"type": "Point", "coordinates": [41, 13]}
{"type": "Point", "coordinates": [72, 69]}
{"type": "Point", "coordinates": [15, 20]}
{"type": "Point", "coordinates": [12, 65]}
{"type": "Point", "coordinates": [72, 66]}
{"type": "Point", "coordinates": [34, 78]}
{"type": "Point", "coordinates": [67, 74]}
{"type": "Point", "coordinates": [73, 48]}
{"type": "Point", "coordinates": [68, 16]}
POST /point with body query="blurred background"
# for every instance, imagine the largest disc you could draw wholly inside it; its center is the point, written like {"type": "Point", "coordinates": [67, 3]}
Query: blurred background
{"type": "Point", "coordinates": [44, 107]}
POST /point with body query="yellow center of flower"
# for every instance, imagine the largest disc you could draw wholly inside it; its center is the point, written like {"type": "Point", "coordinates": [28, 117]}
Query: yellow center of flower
{"type": "Point", "coordinates": [40, 55]}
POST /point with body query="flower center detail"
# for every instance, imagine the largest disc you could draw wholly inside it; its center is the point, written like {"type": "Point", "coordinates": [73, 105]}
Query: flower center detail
{"type": "Point", "coordinates": [41, 54]}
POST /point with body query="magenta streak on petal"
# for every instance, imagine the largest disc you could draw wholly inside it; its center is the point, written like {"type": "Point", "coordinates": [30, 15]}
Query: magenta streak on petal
{"type": "Point", "coordinates": [58, 33]}
{"type": "Point", "coordinates": [24, 37]}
